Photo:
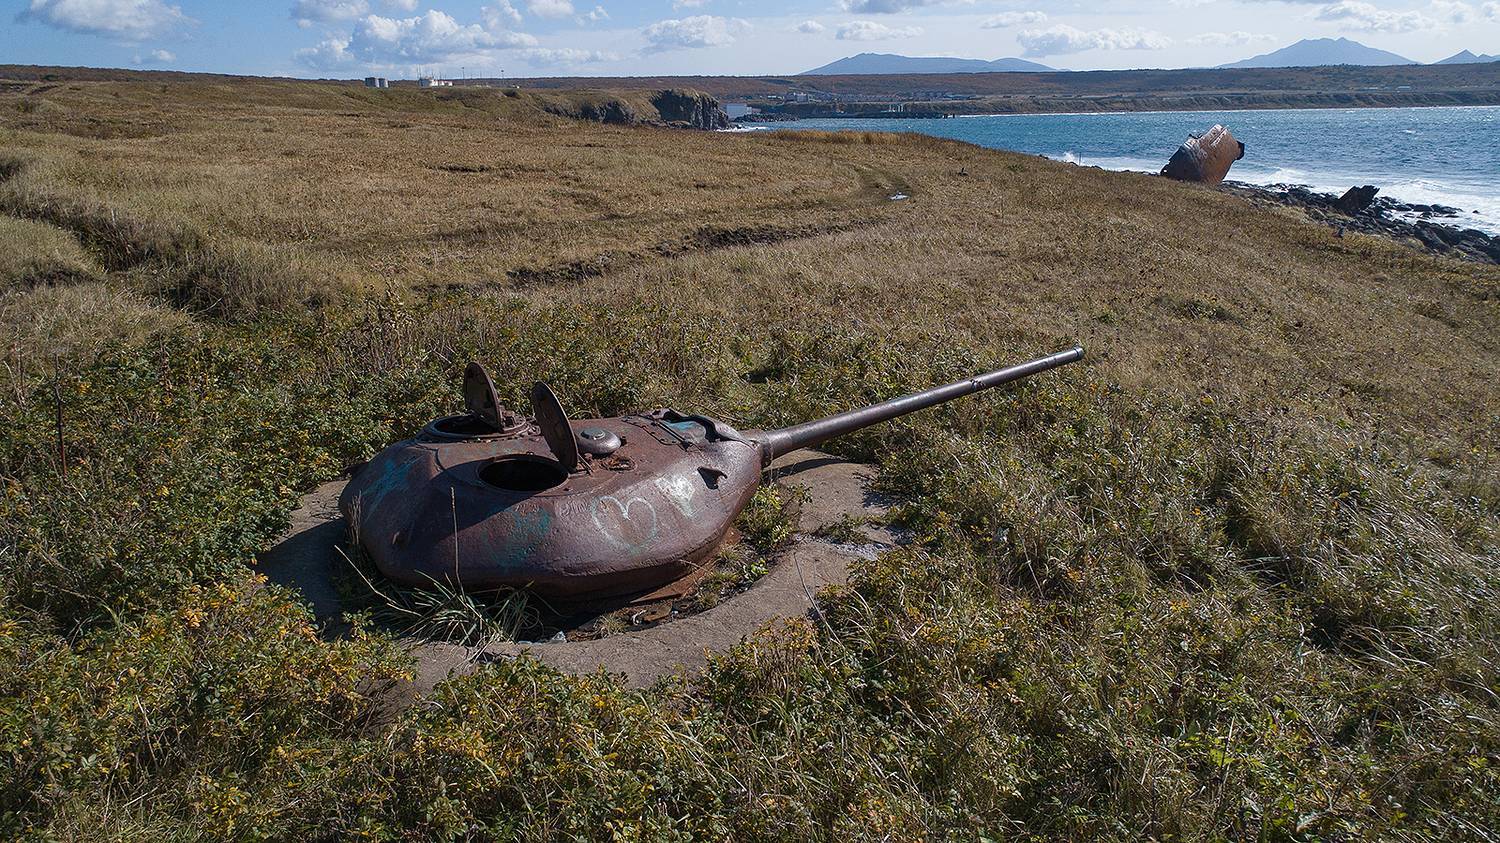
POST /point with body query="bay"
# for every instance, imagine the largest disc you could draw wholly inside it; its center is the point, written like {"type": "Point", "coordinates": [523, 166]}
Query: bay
{"type": "Point", "coordinates": [1447, 156]}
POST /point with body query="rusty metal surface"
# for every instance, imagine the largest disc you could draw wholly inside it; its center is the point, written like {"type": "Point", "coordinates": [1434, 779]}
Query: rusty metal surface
{"type": "Point", "coordinates": [520, 507]}
{"type": "Point", "coordinates": [1205, 158]}
{"type": "Point", "coordinates": [430, 510]}
{"type": "Point", "coordinates": [556, 428]}
{"type": "Point", "coordinates": [482, 402]}
{"type": "Point", "coordinates": [598, 442]}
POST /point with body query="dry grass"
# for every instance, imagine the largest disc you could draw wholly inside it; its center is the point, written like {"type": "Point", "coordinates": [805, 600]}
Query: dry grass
{"type": "Point", "coordinates": [379, 188]}
{"type": "Point", "coordinates": [297, 192]}
{"type": "Point", "coordinates": [38, 255]}
{"type": "Point", "coordinates": [78, 321]}
{"type": "Point", "coordinates": [1232, 578]}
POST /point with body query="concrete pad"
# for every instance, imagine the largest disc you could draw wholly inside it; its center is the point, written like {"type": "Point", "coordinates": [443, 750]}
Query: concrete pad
{"type": "Point", "coordinates": [307, 556]}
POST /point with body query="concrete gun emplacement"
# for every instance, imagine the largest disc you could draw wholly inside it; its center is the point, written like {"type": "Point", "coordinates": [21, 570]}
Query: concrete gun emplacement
{"type": "Point", "coordinates": [585, 509]}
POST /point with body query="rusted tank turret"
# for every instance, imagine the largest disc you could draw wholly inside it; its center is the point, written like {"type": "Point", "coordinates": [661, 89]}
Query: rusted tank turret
{"type": "Point", "coordinates": [588, 508]}
{"type": "Point", "coordinates": [1205, 158]}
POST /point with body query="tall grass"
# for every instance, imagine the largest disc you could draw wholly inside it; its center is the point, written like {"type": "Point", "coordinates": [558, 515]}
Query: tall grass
{"type": "Point", "coordinates": [1233, 578]}
{"type": "Point", "coordinates": [223, 276]}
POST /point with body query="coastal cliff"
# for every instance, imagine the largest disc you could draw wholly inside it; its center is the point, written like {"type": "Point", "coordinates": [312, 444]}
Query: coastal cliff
{"type": "Point", "coordinates": [694, 109]}
{"type": "Point", "coordinates": [677, 107]}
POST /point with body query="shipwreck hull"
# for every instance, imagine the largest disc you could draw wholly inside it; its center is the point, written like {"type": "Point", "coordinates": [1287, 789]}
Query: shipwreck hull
{"type": "Point", "coordinates": [1205, 158]}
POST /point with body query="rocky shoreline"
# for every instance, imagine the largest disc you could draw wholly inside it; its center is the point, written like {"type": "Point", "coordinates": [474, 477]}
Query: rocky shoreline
{"type": "Point", "coordinates": [1437, 229]}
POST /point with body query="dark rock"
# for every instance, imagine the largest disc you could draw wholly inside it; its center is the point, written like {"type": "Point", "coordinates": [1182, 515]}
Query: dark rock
{"type": "Point", "coordinates": [1357, 199]}
{"type": "Point", "coordinates": [766, 117]}
{"type": "Point", "coordinates": [607, 111]}
{"type": "Point", "coordinates": [677, 108]}
{"type": "Point", "coordinates": [1383, 218]}
{"type": "Point", "coordinates": [693, 108]}
{"type": "Point", "coordinates": [1431, 237]}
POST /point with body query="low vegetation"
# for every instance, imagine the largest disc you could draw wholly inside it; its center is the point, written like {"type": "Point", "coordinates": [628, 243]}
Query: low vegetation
{"type": "Point", "coordinates": [1347, 86]}
{"type": "Point", "coordinates": [1235, 577]}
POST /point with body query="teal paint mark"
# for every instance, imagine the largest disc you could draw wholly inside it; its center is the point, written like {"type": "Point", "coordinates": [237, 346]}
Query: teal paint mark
{"type": "Point", "coordinates": [524, 532]}
{"type": "Point", "coordinates": [395, 474]}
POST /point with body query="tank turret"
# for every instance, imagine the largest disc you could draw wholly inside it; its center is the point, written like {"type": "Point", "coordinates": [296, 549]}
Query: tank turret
{"type": "Point", "coordinates": [586, 508]}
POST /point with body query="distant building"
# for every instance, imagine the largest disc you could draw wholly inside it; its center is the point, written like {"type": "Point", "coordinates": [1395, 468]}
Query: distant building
{"type": "Point", "coordinates": [376, 82]}
{"type": "Point", "coordinates": [736, 110]}
{"type": "Point", "coordinates": [429, 82]}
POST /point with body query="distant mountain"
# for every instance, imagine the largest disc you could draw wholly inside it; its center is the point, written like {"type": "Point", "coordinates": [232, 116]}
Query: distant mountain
{"type": "Point", "coordinates": [1467, 57]}
{"type": "Point", "coordinates": [1317, 52]}
{"type": "Point", "coordinates": [871, 63]}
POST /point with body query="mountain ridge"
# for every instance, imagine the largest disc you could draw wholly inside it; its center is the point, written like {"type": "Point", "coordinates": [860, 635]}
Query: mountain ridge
{"type": "Point", "coordinates": [1468, 57]}
{"type": "Point", "coordinates": [1323, 52]}
{"type": "Point", "coordinates": [894, 64]}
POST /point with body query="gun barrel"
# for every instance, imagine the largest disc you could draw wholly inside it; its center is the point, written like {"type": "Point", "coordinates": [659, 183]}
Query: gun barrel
{"type": "Point", "coordinates": [775, 443]}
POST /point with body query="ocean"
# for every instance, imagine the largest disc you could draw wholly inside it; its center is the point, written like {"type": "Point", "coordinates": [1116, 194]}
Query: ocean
{"type": "Point", "coordinates": [1446, 156]}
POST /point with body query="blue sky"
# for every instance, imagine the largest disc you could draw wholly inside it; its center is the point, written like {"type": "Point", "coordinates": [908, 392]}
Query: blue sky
{"type": "Point", "coordinates": [398, 38]}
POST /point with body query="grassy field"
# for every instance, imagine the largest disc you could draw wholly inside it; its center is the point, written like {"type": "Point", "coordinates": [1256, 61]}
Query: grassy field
{"type": "Point", "coordinates": [1235, 577]}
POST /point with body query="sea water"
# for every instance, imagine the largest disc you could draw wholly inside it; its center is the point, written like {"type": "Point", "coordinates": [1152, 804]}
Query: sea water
{"type": "Point", "coordinates": [1445, 156]}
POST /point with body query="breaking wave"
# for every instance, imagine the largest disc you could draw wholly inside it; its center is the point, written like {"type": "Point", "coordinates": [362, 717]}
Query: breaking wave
{"type": "Point", "coordinates": [1420, 156]}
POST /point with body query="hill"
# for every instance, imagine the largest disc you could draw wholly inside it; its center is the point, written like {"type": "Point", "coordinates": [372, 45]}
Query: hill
{"type": "Point", "coordinates": [1467, 57]}
{"type": "Point", "coordinates": [1232, 578]}
{"type": "Point", "coordinates": [885, 63]}
{"type": "Point", "coordinates": [1321, 52]}
{"type": "Point", "coordinates": [1105, 90]}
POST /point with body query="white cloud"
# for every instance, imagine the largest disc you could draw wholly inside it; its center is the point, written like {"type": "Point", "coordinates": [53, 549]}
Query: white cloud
{"type": "Point", "coordinates": [550, 8]}
{"type": "Point", "coordinates": [1453, 11]}
{"type": "Point", "coordinates": [1492, 11]}
{"type": "Point", "coordinates": [431, 38]}
{"type": "Point", "coordinates": [1228, 39]}
{"type": "Point", "coordinates": [564, 56]}
{"type": "Point", "coordinates": [884, 7]}
{"type": "Point", "coordinates": [810, 27]}
{"type": "Point", "coordinates": [1009, 19]}
{"type": "Point", "coordinates": [131, 20]}
{"type": "Point", "coordinates": [1063, 39]}
{"type": "Point", "coordinates": [156, 57]}
{"type": "Point", "coordinates": [693, 32]}
{"type": "Point", "coordinates": [332, 54]}
{"type": "Point", "coordinates": [501, 15]}
{"type": "Point", "coordinates": [688, 4]}
{"type": "Point", "coordinates": [308, 12]}
{"type": "Point", "coordinates": [864, 30]}
{"type": "Point", "coordinates": [598, 14]}
{"type": "Point", "coordinates": [1358, 15]}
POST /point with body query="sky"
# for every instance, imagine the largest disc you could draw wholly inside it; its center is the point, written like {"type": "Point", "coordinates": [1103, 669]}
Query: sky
{"type": "Point", "coordinates": [405, 38]}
